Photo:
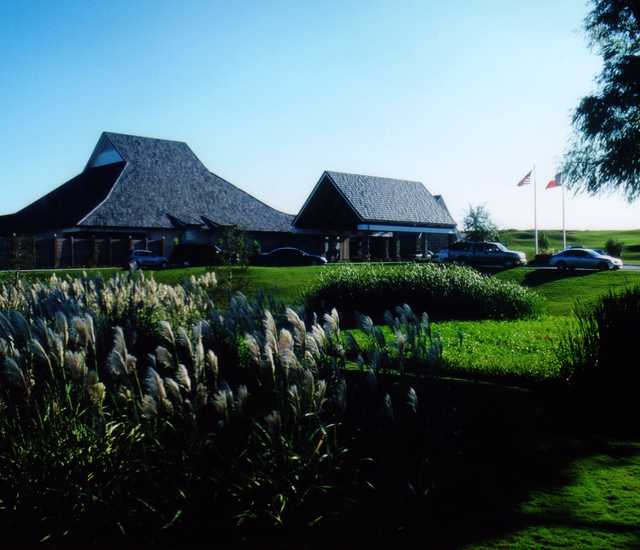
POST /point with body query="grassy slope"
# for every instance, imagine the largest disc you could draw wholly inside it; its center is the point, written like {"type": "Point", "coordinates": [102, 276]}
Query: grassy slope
{"type": "Point", "coordinates": [562, 291]}
{"type": "Point", "coordinates": [599, 506]}
{"type": "Point", "coordinates": [523, 240]}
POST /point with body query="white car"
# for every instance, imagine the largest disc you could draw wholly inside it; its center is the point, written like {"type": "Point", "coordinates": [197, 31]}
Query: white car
{"type": "Point", "coordinates": [584, 258]}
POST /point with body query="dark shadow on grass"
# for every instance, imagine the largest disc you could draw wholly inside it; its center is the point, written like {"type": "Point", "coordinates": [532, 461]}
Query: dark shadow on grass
{"type": "Point", "coordinates": [491, 447]}
{"type": "Point", "coordinates": [543, 276]}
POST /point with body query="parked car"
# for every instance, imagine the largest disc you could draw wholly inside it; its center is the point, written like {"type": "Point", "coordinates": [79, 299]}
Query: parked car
{"type": "Point", "coordinates": [196, 254]}
{"type": "Point", "coordinates": [425, 256]}
{"type": "Point", "coordinates": [288, 256]}
{"type": "Point", "coordinates": [146, 258]}
{"type": "Point", "coordinates": [481, 253]}
{"type": "Point", "coordinates": [584, 258]}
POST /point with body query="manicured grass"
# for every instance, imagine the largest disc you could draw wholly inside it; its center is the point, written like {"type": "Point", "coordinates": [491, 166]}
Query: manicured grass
{"type": "Point", "coordinates": [599, 506]}
{"type": "Point", "coordinates": [562, 290]}
{"type": "Point", "coordinates": [518, 352]}
{"type": "Point", "coordinates": [524, 240]}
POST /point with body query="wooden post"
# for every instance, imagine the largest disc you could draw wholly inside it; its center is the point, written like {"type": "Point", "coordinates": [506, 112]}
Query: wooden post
{"type": "Point", "coordinates": [367, 248]}
{"type": "Point", "coordinates": [110, 251]}
{"type": "Point", "coordinates": [418, 243]}
{"type": "Point", "coordinates": [163, 246]}
{"type": "Point", "coordinates": [73, 252]}
{"type": "Point", "coordinates": [397, 243]}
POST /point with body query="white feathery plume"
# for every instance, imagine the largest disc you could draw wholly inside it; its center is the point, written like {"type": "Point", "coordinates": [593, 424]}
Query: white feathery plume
{"type": "Point", "coordinates": [149, 407]}
{"type": "Point", "coordinates": [173, 391]}
{"type": "Point", "coordinates": [299, 328]}
{"type": "Point", "coordinates": [165, 331]}
{"type": "Point", "coordinates": [212, 364]}
{"type": "Point", "coordinates": [253, 346]}
{"type": "Point", "coordinates": [285, 342]}
{"type": "Point", "coordinates": [182, 376]}
{"type": "Point", "coordinates": [154, 386]}
{"type": "Point", "coordinates": [75, 363]}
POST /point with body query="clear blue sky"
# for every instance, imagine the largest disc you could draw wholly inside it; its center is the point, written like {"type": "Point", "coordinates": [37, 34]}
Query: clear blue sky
{"type": "Point", "coordinates": [462, 95]}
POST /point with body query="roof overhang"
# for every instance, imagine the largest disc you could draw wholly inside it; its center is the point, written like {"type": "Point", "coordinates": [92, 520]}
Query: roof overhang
{"type": "Point", "coordinates": [406, 228]}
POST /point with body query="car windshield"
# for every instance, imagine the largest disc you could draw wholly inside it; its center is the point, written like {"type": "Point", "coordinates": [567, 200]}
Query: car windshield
{"type": "Point", "coordinates": [592, 252]}
{"type": "Point", "coordinates": [501, 247]}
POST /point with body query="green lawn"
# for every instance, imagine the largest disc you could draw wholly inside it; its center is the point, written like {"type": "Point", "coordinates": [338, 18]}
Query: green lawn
{"type": "Point", "coordinates": [598, 507]}
{"type": "Point", "coordinates": [524, 240]}
{"type": "Point", "coordinates": [562, 290]}
{"type": "Point", "coordinates": [511, 352]}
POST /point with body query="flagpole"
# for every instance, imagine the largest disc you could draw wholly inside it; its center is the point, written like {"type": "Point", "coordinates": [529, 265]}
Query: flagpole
{"type": "Point", "coordinates": [564, 230]}
{"type": "Point", "coordinates": [535, 208]}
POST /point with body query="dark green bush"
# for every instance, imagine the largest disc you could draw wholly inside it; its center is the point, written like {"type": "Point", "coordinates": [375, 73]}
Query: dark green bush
{"type": "Point", "coordinates": [445, 292]}
{"type": "Point", "coordinates": [614, 247]}
{"type": "Point", "coordinates": [599, 362]}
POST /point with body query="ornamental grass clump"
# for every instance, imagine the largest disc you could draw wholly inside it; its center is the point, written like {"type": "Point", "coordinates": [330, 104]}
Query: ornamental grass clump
{"type": "Point", "coordinates": [446, 292]}
{"type": "Point", "coordinates": [132, 410]}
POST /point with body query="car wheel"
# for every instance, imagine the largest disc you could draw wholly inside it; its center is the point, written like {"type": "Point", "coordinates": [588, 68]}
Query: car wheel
{"type": "Point", "coordinates": [461, 260]}
{"type": "Point", "coordinates": [133, 265]}
{"type": "Point", "coordinates": [603, 266]}
{"type": "Point", "coordinates": [562, 266]}
{"type": "Point", "coordinates": [164, 265]}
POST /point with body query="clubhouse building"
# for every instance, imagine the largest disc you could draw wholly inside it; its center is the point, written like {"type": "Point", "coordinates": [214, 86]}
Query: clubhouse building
{"type": "Point", "coordinates": [138, 192]}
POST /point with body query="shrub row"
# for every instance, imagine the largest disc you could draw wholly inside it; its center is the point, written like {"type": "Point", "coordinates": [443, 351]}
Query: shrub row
{"type": "Point", "coordinates": [446, 292]}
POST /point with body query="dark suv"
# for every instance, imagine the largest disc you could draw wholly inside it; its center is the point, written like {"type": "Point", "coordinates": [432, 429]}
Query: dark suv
{"type": "Point", "coordinates": [482, 253]}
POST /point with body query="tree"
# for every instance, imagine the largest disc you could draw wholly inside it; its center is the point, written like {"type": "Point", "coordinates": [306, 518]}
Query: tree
{"type": "Point", "coordinates": [604, 154]}
{"type": "Point", "coordinates": [237, 247]}
{"type": "Point", "coordinates": [543, 242]}
{"type": "Point", "coordinates": [478, 224]}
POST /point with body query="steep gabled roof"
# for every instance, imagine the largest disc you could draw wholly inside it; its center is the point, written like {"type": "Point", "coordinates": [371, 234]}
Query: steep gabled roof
{"type": "Point", "coordinates": [386, 200]}
{"type": "Point", "coordinates": [163, 177]}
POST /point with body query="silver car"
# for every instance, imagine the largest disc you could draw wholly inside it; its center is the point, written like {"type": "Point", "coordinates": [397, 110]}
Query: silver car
{"type": "Point", "coordinates": [584, 258]}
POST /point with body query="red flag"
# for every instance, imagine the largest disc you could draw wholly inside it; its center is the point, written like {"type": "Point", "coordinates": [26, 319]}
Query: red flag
{"type": "Point", "coordinates": [555, 182]}
{"type": "Point", "coordinates": [526, 180]}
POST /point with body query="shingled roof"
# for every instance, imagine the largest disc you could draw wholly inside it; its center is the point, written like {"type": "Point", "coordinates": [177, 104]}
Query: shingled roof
{"type": "Point", "coordinates": [162, 178]}
{"type": "Point", "coordinates": [386, 200]}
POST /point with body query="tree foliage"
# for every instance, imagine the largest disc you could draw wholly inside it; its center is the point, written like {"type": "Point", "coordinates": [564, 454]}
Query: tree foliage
{"type": "Point", "coordinates": [237, 247]}
{"type": "Point", "coordinates": [605, 151]}
{"type": "Point", "coordinates": [478, 224]}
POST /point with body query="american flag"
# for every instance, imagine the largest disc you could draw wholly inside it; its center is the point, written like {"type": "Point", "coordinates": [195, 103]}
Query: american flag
{"type": "Point", "coordinates": [526, 180]}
